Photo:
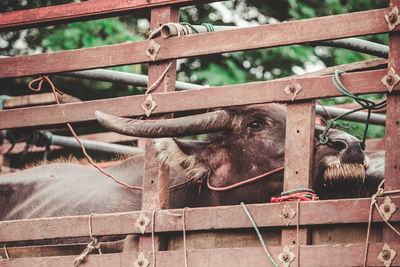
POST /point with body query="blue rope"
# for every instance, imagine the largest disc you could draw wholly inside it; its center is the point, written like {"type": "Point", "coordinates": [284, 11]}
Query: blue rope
{"type": "Point", "coordinates": [259, 235]}
{"type": "Point", "coordinates": [365, 104]}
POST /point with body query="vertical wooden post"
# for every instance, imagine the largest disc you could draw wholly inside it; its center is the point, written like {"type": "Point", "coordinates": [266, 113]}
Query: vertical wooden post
{"type": "Point", "coordinates": [299, 148]}
{"type": "Point", "coordinates": [156, 178]}
{"type": "Point", "coordinates": [392, 139]}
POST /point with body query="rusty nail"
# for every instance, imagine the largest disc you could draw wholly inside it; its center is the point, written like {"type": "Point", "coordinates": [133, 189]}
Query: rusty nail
{"type": "Point", "coordinates": [140, 263]}
{"type": "Point", "coordinates": [292, 89]}
{"type": "Point", "coordinates": [386, 254]}
{"type": "Point", "coordinates": [148, 104]}
{"type": "Point", "coordinates": [392, 18]}
{"type": "Point", "coordinates": [141, 222]}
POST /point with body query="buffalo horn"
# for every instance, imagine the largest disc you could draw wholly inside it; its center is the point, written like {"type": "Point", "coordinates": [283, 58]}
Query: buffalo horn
{"type": "Point", "coordinates": [184, 126]}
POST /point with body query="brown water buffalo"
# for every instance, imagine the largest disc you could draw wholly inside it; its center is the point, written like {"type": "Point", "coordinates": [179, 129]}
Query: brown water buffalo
{"type": "Point", "coordinates": [245, 142]}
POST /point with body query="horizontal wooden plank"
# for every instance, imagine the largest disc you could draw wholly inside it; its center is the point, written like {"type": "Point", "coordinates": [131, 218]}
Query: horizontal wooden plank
{"type": "Point", "coordinates": [222, 96]}
{"type": "Point", "coordinates": [224, 217]}
{"type": "Point", "coordinates": [37, 99]}
{"type": "Point", "coordinates": [321, 256]}
{"type": "Point", "coordinates": [94, 9]}
{"type": "Point", "coordinates": [296, 32]}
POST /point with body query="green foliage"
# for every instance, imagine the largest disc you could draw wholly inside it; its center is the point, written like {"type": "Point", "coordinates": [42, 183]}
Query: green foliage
{"type": "Point", "coordinates": [232, 68]}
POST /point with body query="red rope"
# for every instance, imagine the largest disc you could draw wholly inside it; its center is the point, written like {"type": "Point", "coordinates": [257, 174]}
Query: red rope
{"type": "Point", "coordinates": [242, 182]}
{"type": "Point", "coordinates": [54, 89]}
{"type": "Point", "coordinates": [298, 196]}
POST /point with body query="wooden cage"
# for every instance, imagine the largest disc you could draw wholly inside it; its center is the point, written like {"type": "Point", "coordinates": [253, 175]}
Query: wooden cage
{"type": "Point", "coordinates": [314, 218]}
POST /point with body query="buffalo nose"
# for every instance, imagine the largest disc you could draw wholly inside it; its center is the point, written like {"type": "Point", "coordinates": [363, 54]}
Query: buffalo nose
{"type": "Point", "coordinates": [350, 152]}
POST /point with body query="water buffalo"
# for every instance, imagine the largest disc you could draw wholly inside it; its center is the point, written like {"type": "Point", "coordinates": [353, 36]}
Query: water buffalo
{"type": "Point", "coordinates": [244, 142]}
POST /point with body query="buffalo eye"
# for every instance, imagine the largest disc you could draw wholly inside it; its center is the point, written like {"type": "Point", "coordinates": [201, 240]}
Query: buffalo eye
{"type": "Point", "coordinates": [256, 124]}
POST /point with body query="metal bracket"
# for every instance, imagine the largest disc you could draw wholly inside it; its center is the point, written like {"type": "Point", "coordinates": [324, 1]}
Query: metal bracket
{"type": "Point", "coordinates": [152, 50]}
{"type": "Point", "coordinates": [287, 215]}
{"type": "Point", "coordinates": [393, 18]}
{"type": "Point", "coordinates": [149, 105]}
{"type": "Point", "coordinates": [141, 261]}
{"type": "Point", "coordinates": [142, 222]}
{"type": "Point", "coordinates": [286, 257]}
{"type": "Point", "coordinates": [387, 255]}
{"type": "Point", "coordinates": [390, 79]}
{"type": "Point", "coordinates": [387, 208]}
{"type": "Point", "coordinates": [292, 90]}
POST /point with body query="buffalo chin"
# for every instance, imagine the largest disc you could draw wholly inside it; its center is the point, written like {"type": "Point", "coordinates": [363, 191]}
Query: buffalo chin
{"type": "Point", "coordinates": [339, 172]}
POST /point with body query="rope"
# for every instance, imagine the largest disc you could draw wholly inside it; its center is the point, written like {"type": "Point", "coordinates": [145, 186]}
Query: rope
{"type": "Point", "coordinates": [300, 194]}
{"type": "Point", "coordinates": [379, 193]}
{"type": "Point", "coordinates": [209, 27]}
{"type": "Point", "coordinates": [153, 218]}
{"type": "Point", "coordinates": [6, 252]}
{"type": "Point", "coordinates": [54, 89]}
{"type": "Point", "coordinates": [90, 247]}
{"type": "Point", "coordinates": [184, 236]}
{"type": "Point", "coordinates": [365, 104]}
{"type": "Point", "coordinates": [259, 235]}
{"type": "Point", "coordinates": [242, 182]}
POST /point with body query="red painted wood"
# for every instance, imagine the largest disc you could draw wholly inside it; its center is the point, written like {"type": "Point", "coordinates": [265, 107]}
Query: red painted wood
{"type": "Point", "coordinates": [392, 137]}
{"type": "Point", "coordinates": [94, 9]}
{"type": "Point", "coordinates": [224, 217]}
{"type": "Point", "coordinates": [313, 256]}
{"type": "Point", "coordinates": [339, 26]}
{"type": "Point", "coordinates": [223, 96]}
{"type": "Point", "coordinates": [300, 128]}
{"type": "Point", "coordinates": [156, 177]}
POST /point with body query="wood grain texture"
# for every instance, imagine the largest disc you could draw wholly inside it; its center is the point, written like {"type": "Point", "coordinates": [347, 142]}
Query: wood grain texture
{"type": "Point", "coordinates": [94, 9]}
{"type": "Point", "coordinates": [313, 256]}
{"type": "Point", "coordinates": [265, 36]}
{"type": "Point", "coordinates": [224, 217]}
{"type": "Point", "coordinates": [213, 97]}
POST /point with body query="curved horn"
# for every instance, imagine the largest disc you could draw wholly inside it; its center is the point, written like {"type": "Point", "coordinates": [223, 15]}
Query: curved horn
{"type": "Point", "coordinates": [190, 125]}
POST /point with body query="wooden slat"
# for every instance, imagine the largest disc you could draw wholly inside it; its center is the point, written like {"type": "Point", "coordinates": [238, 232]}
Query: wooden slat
{"type": "Point", "coordinates": [308, 30]}
{"type": "Point", "coordinates": [318, 256]}
{"type": "Point", "coordinates": [224, 217]}
{"type": "Point", "coordinates": [392, 136]}
{"type": "Point", "coordinates": [223, 96]}
{"type": "Point", "coordinates": [94, 9]}
{"type": "Point", "coordinates": [300, 128]}
{"type": "Point", "coordinates": [155, 193]}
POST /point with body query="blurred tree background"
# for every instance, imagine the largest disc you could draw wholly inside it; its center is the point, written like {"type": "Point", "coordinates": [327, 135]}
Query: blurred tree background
{"type": "Point", "coordinates": [213, 70]}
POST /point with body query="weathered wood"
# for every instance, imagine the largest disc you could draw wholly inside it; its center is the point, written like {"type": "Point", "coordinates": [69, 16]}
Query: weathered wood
{"type": "Point", "coordinates": [155, 193]}
{"type": "Point", "coordinates": [223, 96]}
{"type": "Point", "coordinates": [67, 13]}
{"type": "Point", "coordinates": [318, 256]}
{"type": "Point", "coordinates": [300, 127]}
{"type": "Point", "coordinates": [392, 136]}
{"type": "Point", "coordinates": [224, 217]}
{"type": "Point", "coordinates": [37, 99]}
{"type": "Point", "coordinates": [265, 36]}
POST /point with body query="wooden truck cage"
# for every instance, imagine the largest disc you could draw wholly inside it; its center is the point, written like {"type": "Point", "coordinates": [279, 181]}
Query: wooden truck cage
{"type": "Point", "coordinates": [160, 53]}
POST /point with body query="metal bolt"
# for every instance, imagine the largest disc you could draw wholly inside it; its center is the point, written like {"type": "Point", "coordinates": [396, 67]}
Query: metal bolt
{"type": "Point", "coordinates": [141, 222]}
{"type": "Point", "coordinates": [292, 89]}
{"type": "Point", "coordinates": [386, 254]}
{"type": "Point", "coordinates": [151, 50]}
{"type": "Point", "coordinates": [392, 18]}
{"type": "Point", "coordinates": [148, 104]}
{"type": "Point", "coordinates": [386, 208]}
{"type": "Point", "coordinates": [285, 257]}
{"type": "Point", "coordinates": [140, 263]}
{"type": "Point", "coordinates": [390, 80]}
{"type": "Point", "coordinates": [285, 214]}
